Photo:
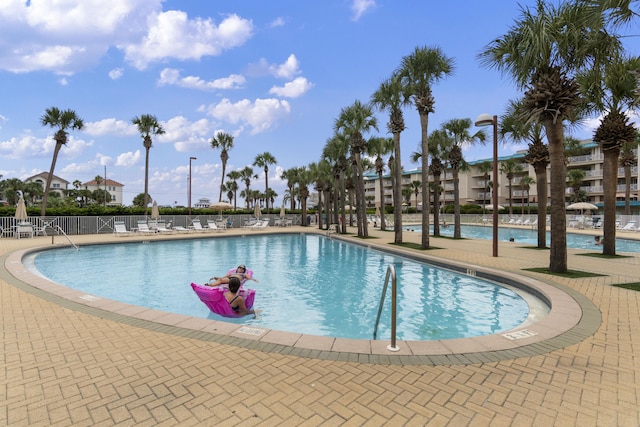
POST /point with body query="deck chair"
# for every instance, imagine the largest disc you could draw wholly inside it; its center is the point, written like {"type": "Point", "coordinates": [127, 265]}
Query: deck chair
{"type": "Point", "coordinates": [120, 229]}
{"type": "Point", "coordinates": [221, 224]}
{"type": "Point", "coordinates": [630, 226]}
{"type": "Point", "coordinates": [24, 230]}
{"type": "Point", "coordinates": [143, 227]}
{"type": "Point", "coordinates": [197, 226]}
{"type": "Point", "coordinates": [260, 224]}
{"type": "Point", "coordinates": [161, 227]}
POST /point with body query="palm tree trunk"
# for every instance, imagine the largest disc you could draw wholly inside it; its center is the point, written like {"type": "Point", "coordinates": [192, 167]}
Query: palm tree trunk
{"type": "Point", "coordinates": [558, 252]}
{"type": "Point", "coordinates": [397, 191]}
{"type": "Point", "coordinates": [45, 196]}
{"type": "Point", "coordinates": [436, 205]}
{"type": "Point", "coordinates": [224, 168]}
{"type": "Point", "coordinates": [609, 189]}
{"type": "Point", "coordinates": [424, 124]}
{"type": "Point", "coordinates": [541, 187]}
{"type": "Point", "coordinates": [146, 182]}
{"type": "Point", "coordinates": [382, 224]}
{"type": "Point", "coordinates": [456, 204]}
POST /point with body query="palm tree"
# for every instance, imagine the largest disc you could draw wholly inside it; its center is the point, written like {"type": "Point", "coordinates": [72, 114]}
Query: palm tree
{"type": "Point", "coordinates": [510, 168]}
{"type": "Point", "coordinates": [289, 175]}
{"type": "Point", "coordinates": [353, 121]}
{"type": "Point", "coordinates": [390, 96]}
{"type": "Point", "coordinates": [575, 178]}
{"type": "Point", "coordinates": [415, 188]}
{"type": "Point", "coordinates": [321, 175]}
{"type": "Point", "coordinates": [335, 152]}
{"type": "Point", "coordinates": [263, 161]}
{"type": "Point", "coordinates": [628, 160]}
{"type": "Point", "coordinates": [525, 184]}
{"type": "Point", "coordinates": [224, 142]}
{"type": "Point", "coordinates": [542, 53]}
{"type": "Point", "coordinates": [459, 131]}
{"type": "Point", "coordinates": [484, 168]}
{"type": "Point", "coordinates": [378, 147]}
{"type": "Point", "coordinates": [147, 125]}
{"type": "Point", "coordinates": [303, 179]}
{"type": "Point", "coordinates": [419, 71]}
{"type": "Point", "coordinates": [611, 89]}
{"type": "Point", "coordinates": [234, 177]}
{"type": "Point", "coordinates": [246, 174]}
{"type": "Point", "coordinates": [514, 129]}
{"type": "Point", "coordinates": [61, 120]}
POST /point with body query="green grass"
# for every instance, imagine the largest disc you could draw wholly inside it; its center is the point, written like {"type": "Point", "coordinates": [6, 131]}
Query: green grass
{"type": "Point", "coordinates": [631, 286]}
{"type": "Point", "coordinates": [571, 274]}
{"type": "Point", "coordinates": [600, 255]}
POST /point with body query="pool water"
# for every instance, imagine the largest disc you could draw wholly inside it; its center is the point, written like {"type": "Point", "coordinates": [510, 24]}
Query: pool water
{"type": "Point", "coordinates": [307, 284]}
{"type": "Point", "coordinates": [529, 236]}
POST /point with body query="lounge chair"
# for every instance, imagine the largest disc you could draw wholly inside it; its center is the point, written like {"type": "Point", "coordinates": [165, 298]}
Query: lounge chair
{"type": "Point", "coordinates": [143, 227]}
{"type": "Point", "coordinates": [161, 227]}
{"type": "Point", "coordinates": [260, 224]}
{"type": "Point", "coordinates": [120, 229]}
{"type": "Point", "coordinates": [221, 224]}
{"type": "Point", "coordinates": [181, 229]}
{"type": "Point", "coordinates": [630, 226]}
{"type": "Point", "coordinates": [197, 226]}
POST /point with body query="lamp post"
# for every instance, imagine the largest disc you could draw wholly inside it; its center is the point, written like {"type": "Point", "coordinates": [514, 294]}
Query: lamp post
{"type": "Point", "coordinates": [486, 120]}
{"type": "Point", "coordinates": [190, 159]}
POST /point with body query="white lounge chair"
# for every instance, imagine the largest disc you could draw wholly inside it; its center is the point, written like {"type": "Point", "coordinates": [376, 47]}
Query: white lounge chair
{"type": "Point", "coordinates": [197, 226]}
{"type": "Point", "coordinates": [260, 224]}
{"type": "Point", "coordinates": [143, 227]}
{"type": "Point", "coordinates": [120, 229]}
{"type": "Point", "coordinates": [24, 230]}
{"type": "Point", "coordinates": [181, 229]}
{"type": "Point", "coordinates": [161, 227]}
{"type": "Point", "coordinates": [221, 224]}
{"type": "Point", "coordinates": [630, 226]}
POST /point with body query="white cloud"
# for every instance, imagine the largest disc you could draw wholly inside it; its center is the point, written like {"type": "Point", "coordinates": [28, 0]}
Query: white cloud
{"type": "Point", "coordinates": [359, 7]}
{"type": "Point", "coordinates": [179, 129]}
{"type": "Point", "coordinates": [278, 22]}
{"type": "Point", "coordinates": [63, 81]}
{"type": "Point", "coordinates": [116, 73]}
{"type": "Point", "coordinates": [287, 70]}
{"type": "Point", "coordinates": [292, 89]}
{"type": "Point", "coordinates": [128, 159]}
{"type": "Point", "coordinates": [110, 126]}
{"type": "Point", "coordinates": [171, 76]}
{"type": "Point", "coordinates": [172, 35]}
{"type": "Point", "coordinates": [261, 115]}
{"type": "Point", "coordinates": [28, 146]}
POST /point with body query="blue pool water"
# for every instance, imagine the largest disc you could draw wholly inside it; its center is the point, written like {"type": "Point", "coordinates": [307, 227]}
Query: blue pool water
{"type": "Point", "coordinates": [308, 284]}
{"type": "Point", "coordinates": [529, 236]}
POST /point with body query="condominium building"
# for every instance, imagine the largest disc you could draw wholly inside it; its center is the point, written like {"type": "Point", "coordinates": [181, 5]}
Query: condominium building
{"type": "Point", "coordinates": [474, 187]}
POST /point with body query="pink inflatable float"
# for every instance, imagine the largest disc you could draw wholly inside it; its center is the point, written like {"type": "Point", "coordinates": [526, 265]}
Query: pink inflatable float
{"type": "Point", "coordinates": [213, 297]}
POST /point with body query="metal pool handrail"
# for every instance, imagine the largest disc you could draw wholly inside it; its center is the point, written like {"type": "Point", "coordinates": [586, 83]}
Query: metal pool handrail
{"type": "Point", "coordinates": [391, 272]}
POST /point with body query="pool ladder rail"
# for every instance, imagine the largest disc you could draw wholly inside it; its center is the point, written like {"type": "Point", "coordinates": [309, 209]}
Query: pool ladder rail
{"type": "Point", "coordinates": [61, 231]}
{"type": "Point", "coordinates": [391, 273]}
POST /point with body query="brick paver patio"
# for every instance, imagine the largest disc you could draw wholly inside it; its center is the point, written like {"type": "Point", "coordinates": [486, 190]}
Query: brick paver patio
{"type": "Point", "coordinates": [66, 366]}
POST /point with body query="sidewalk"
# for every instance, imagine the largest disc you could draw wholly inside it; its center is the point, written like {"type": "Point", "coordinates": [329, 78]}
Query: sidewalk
{"type": "Point", "coordinates": [63, 366]}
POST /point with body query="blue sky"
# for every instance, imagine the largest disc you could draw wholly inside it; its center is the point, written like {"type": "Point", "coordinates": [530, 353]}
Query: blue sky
{"type": "Point", "coordinates": [275, 74]}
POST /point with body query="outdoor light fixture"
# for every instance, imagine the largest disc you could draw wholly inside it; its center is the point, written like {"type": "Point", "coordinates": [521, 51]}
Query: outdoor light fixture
{"type": "Point", "coordinates": [190, 159]}
{"type": "Point", "coordinates": [486, 120]}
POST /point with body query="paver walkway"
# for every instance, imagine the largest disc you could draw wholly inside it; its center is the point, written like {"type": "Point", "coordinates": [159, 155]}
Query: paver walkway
{"type": "Point", "coordinates": [61, 366]}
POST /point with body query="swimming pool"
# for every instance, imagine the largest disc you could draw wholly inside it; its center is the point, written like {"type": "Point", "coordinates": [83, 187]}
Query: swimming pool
{"type": "Point", "coordinates": [308, 284]}
{"type": "Point", "coordinates": [529, 236]}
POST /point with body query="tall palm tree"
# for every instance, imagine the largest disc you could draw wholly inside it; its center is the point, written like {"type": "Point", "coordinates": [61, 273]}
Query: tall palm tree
{"type": "Point", "coordinates": [511, 167]}
{"type": "Point", "coordinates": [525, 184]}
{"type": "Point", "coordinates": [628, 160]}
{"type": "Point", "coordinates": [378, 147]}
{"type": "Point", "coordinates": [335, 152]}
{"type": "Point", "coordinates": [224, 142]}
{"type": "Point", "coordinates": [419, 71]}
{"type": "Point", "coordinates": [289, 175]}
{"type": "Point", "coordinates": [512, 128]}
{"type": "Point", "coordinates": [611, 90]}
{"type": "Point", "coordinates": [415, 189]}
{"type": "Point", "coordinates": [303, 180]}
{"type": "Point", "coordinates": [459, 131]}
{"type": "Point", "coordinates": [353, 121]}
{"type": "Point", "coordinates": [147, 125]}
{"type": "Point", "coordinates": [263, 161]}
{"type": "Point", "coordinates": [484, 168]}
{"type": "Point", "coordinates": [542, 52]}
{"type": "Point", "coordinates": [575, 178]}
{"type": "Point", "coordinates": [63, 121]}
{"type": "Point", "coordinates": [390, 97]}
{"type": "Point", "coordinates": [234, 177]}
{"type": "Point", "coordinates": [246, 174]}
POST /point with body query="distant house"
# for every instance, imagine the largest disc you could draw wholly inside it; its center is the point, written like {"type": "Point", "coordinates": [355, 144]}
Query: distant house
{"type": "Point", "coordinates": [58, 184]}
{"type": "Point", "coordinates": [203, 203]}
{"type": "Point", "coordinates": [113, 187]}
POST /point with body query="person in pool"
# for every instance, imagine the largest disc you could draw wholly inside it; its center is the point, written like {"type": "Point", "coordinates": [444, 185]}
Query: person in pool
{"type": "Point", "coordinates": [237, 301]}
{"type": "Point", "coordinates": [241, 273]}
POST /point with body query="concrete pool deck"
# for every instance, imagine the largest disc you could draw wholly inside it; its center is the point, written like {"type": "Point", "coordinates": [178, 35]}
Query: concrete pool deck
{"type": "Point", "coordinates": [67, 365]}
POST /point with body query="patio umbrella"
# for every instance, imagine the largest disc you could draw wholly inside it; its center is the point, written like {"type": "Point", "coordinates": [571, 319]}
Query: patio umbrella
{"type": "Point", "coordinates": [257, 212]}
{"type": "Point", "coordinates": [582, 206]}
{"type": "Point", "coordinates": [282, 212]}
{"type": "Point", "coordinates": [490, 207]}
{"type": "Point", "coordinates": [155, 213]}
{"type": "Point", "coordinates": [220, 206]}
{"type": "Point", "coordinates": [21, 210]}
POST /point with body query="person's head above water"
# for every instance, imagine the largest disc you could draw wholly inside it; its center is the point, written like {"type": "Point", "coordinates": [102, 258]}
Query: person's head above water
{"type": "Point", "coordinates": [234, 284]}
{"type": "Point", "coordinates": [243, 267]}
